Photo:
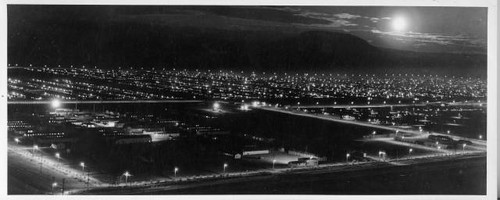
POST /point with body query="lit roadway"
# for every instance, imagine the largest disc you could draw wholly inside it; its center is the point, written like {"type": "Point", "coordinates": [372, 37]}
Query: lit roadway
{"type": "Point", "coordinates": [179, 183]}
{"type": "Point", "coordinates": [107, 101]}
{"type": "Point", "coordinates": [359, 123]}
{"type": "Point", "coordinates": [390, 105]}
{"type": "Point", "coordinates": [36, 173]}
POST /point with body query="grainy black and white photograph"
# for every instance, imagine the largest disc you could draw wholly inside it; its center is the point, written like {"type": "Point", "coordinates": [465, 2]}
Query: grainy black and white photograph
{"type": "Point", "coordinates": [246, 100]}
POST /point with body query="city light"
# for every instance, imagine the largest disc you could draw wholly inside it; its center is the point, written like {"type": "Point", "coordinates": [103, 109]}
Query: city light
{"type": "Point", "coordinates": [244, 107]}
{"type": "Point", "coordinates": [17, 140]}
{"type": "Point", "coordinates": [82, 164]}
{"type": "Point", "coordinates": [58, 156]}
{"type": "Point", "coordinates": [216, 106]}
{"type": "Point", "coordinates": [126, 174]}
{"type": "Point", "coordinates": [175, 171]}
{"type": "Point", "coordinates": [224, 168]}
{"type": "Point", "coordinates": [54, 184]}
{"type": "Point", "coordinates": [56, 103]}
{"type": "Point", "coordinates": [255, 103]}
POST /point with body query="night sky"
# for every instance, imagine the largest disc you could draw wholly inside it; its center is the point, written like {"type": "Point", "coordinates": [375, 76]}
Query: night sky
{"type": "Point", "coordinates": [105, 35]}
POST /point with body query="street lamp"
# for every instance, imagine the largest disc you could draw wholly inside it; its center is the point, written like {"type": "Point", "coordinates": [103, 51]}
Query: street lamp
{"type": "Point", "coordinates": [82, 164]}
{"type": "Point", "coordinates": [54, 184]}
{"type": "Point", "coordinates": [17, 140]}
{"type": "Point", "coordinates": [347, 157]}
{"type": "Point", "coordinates": [175, 171]}
{"type": "Point", "coordinates": [224, 168]}
{"type": "Point", "coordinates": [126, 174]}
{"type": "Point", "coordinates": [409, 151]}
{"type": "Point", "coordinates": [58, 156]}
{"type": "Point", "coordinates": [274, 161]}
{"type": "Point", "coordinates": [381, 154]}
{"type": "Point", "coordinates": [35, 147]}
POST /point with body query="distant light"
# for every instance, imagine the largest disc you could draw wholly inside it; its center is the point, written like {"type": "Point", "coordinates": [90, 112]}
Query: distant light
{"type": "Point", "coordinates": [216, 106]}
{"type": "Point", "coordinates": [56, 103]}
{"type": "Point", "coordinates": [244, 107]}
{"type": "Point", "coordinates": [127, 174]}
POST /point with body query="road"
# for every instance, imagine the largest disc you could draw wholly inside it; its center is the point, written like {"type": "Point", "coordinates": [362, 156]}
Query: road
{"type": "Point", "coordinates": [271, 175]}
{"type": "Point", "coordinates": [34, 174]}
{"type": "Point", "coordinates": [390, 105]}
{"type": "Point", "coordinates": [479, 143]}
{"type": "Point", "coordinates": [106, 102]}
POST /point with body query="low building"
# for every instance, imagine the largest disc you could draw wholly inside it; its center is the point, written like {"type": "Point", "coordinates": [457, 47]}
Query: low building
{"type": "Point", "coordinates": [132, 139]}
{"type": "Point", "coordinates": [255, 152]}
{"type": "Point", "coordinates": [158, 137]}
{"type": "Point", "coordinates": [304, 162]}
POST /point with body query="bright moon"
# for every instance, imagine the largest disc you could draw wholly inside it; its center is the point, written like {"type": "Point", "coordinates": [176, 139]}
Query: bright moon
{"type": "Point", "coordinates": [399, 24]}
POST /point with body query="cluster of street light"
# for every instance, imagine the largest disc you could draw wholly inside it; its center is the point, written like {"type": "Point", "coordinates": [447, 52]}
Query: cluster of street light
{"type": "Point", "coordinates": [129, 84]}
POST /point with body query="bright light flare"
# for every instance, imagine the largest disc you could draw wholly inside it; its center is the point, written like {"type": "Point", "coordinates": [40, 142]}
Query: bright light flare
{"type": "Point", "coordinates": [399, 24]}
{"type": "Point", "coordinates": [127, 174]}
{"type": "Point", "coordinates": [56, 103]}
{"type": "Point", "coordinates": [216, 106]}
